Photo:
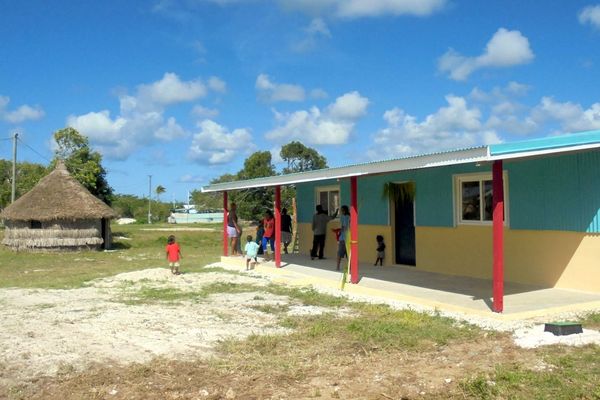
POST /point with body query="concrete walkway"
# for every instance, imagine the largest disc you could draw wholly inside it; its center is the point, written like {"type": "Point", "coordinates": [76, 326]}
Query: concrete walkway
{"type": "Point", "coordinates": [444, 292]}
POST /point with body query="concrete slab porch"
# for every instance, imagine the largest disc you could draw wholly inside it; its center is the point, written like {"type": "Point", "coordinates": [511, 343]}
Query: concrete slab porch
{"type": "Point", "coordinates": [444, 292]}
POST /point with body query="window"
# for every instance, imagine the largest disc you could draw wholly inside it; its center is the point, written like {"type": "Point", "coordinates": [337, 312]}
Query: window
{"type": "Point", "coordinates": [35, 224]}
{"type": "Point", "coordinates": [475, 199]}
{"type": "Point", "coordinates": [329, 198]}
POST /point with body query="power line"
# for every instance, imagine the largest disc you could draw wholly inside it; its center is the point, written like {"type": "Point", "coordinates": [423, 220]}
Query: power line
{"type": "Point", "coordinates": [34, 150]}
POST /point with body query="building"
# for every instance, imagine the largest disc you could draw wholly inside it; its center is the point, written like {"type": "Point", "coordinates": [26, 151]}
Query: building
{"type": "Point", "coordinates": [525, 212]}
{"type": "Point", "coordinates": [58, 214]}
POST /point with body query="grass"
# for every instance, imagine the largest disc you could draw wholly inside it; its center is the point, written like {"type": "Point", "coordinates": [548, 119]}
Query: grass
{"type": "Point", "coordinates": [328, 341]}
{"type": "Point", "coordinates": [142, 249]}
{"type": "Point", "coordinates": [591, 321]}
{"type": "Point", "coordinates": [153, 295]}
{"type": "Point", "coordinates": [569, 373]}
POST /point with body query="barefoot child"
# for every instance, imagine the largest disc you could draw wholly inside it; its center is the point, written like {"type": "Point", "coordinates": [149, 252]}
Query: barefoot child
{"type": "Point", "coordinates": [380, 250]}
{"type": "Point", "coordinates": [251, 251]}
{"type": "Point", "coordinates": [173, 255]}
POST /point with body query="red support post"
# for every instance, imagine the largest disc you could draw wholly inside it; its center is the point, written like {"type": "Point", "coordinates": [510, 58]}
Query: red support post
{"type": "Point", "coordinates": [225, 214]}
{"type": "Point", "coordinates": [498, 236]}
{"type": "Point", "coordinates": [278, 226]}
{"type": "Point", "coordinates": [353, 231]}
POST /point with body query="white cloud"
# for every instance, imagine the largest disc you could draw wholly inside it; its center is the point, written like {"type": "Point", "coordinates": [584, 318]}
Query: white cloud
{"type": "Point", "coordinates": [454, 126]}
{"type": "Point", "coordinates": [572, 117]}
{"type": "Point", "coordinates": [21, 114]}
{"type": "Point", "coordinates": [216, 84]}
{"type": "Point", "coordinates": [590, 15]}
{"type": "Point", "coordinates": [376, 8]}
{"type": "Point", "coordinates": [505, 49]}
{"type": "Point", "coordinates": [117, 138]}
{"type": "Point", "coordinates": [276, 155]}
{"type": "Point", "coordinates": [141, 119]}
{"type": "Point", "coordinates": [362, 8]}
{"type": "Point", "coordinates": [170, 90]}
{"type": "Point", "coordinates": [169, 131]}
{"type": "Point", "coordinates": [332, 126]}
{"type": "Point", "coordinates": [204, 112]}
{"type": "Point", "coordinates": [318, 93]}
{"type": "Point", "coordinates": [98, 126]}
{"type": "Point", "coordinates": [270, 91]}
{"type": "Point", "coordinates": [505, 113]}
{"type": "Point", "coordinates": [316, 29]}
{"type": "Point", "coordinates": [214, 144]}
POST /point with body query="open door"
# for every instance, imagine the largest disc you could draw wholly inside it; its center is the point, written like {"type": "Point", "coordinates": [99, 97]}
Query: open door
{"type": "Point", "coordinates": [105, 226]}
{"type": "Point", "coordinates": [404, 228]}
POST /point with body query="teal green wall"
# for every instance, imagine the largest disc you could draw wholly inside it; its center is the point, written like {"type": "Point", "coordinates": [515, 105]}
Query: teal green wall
{"type": "Point", "coordinates": [556, 193]}
{"type": "Point", "coordinates": [549, 193]}
{"type": "Point", "coordinates": [433, 195]}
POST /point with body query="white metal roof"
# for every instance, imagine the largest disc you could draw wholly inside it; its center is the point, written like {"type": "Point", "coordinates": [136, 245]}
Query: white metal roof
{"type": "Point", "coordinates": [517, 150]}
{"type": "Point", "coordinates": [377, 167]}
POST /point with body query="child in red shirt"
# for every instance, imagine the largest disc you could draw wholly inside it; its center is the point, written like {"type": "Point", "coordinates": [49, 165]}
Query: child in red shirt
{"type": "Point", "coordinates": [173, 255]}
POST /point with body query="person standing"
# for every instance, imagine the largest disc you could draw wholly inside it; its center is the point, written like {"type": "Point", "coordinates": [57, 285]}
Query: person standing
{"type": "Point", "coordinates": [319, 228]}
{"type": "Point", "coordinates": [286, 230]}
{"type": "Point", "coordinates": [269, 234]}
{"type": "Point", "coordinates": [344, 225]}
{"type": "Point", "coordinates": [233, 229]}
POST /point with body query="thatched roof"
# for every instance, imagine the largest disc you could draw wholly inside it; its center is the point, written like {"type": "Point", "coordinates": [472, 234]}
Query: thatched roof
{"type": "Point", "coordinates": [57, 196]}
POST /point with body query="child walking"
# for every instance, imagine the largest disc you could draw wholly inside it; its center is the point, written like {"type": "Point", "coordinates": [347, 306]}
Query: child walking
{"type": "Point", "coordinates": [380, 250]}
{"type": "Point", "coordinates": [173, 255]}
{"type": "Point", "coordinates": [251, 251]}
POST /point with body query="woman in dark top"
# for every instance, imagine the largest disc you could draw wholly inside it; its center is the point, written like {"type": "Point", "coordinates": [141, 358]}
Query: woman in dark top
{"type": "Point", "coordinates": [286, 230]}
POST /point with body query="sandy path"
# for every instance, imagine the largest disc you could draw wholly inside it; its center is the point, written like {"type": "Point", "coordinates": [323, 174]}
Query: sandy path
{"type": "Point", "coordinates": [46, 330]}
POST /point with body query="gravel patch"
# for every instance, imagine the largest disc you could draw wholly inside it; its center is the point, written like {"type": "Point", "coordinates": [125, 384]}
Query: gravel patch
{"type": "Point", "coordinates": [535, 336]}
{"type": "Point", "coordinates": [43, 330]}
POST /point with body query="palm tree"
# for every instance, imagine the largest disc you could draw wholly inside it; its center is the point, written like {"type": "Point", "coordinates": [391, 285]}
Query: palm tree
{"type": "Point", "coordinates": [160, 189]}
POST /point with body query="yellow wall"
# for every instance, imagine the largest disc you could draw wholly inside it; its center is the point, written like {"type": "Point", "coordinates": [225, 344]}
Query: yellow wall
{"type": "Point", "coordinates": [549, 258]}
{"type": "Point", "coordinates": [366, 244]}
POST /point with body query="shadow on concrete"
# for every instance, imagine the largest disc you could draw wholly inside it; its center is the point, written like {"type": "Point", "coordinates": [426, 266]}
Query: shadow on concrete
{"type": "Point", "coordinates": [406, 276]}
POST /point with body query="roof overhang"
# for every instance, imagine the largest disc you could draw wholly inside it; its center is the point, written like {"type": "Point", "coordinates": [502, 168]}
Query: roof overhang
{"type": "Point", "coordinates": [476, 154]}
{"type": "Point", "coordinates": [554, 145]}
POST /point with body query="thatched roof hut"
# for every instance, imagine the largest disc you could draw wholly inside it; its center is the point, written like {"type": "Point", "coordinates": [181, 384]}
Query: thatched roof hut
{"type": "Point", "coordinates": [58, 214]}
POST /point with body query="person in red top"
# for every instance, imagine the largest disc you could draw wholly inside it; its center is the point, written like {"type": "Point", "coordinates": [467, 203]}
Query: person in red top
{"type": "Point", "coordinates": [173, 255]}
{"type": "Point", "coordinates": [269, 235]}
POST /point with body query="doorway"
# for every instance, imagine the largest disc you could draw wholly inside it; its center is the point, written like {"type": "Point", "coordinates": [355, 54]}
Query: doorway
{"type": "Point", "coordinates": [404, 224]}
{"type": "Point", "coordinates": [105, 232]}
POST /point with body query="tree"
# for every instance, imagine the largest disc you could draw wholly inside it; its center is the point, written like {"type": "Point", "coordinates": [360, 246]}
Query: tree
{"type": "Point", "coordinates": [84, 164]}
{"type": "Point", "coordinates": [129, 206]}
{"type": "Point", "coordinates": [300, 158]}
{"type": "Point", "coordinates": [213, 200]}
{"type": "Point", "coordinates": [160, 189]}
{"type": "Point", "coordinates": [28, 175]}
{"type": "Point", "coordinates": [257, 165]}
{"type": "Point", "coordinates": [252, 203]}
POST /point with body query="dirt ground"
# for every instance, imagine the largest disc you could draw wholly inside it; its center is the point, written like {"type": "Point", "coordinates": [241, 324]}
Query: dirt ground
{"type": "Point", "coordinates": [92, 343]}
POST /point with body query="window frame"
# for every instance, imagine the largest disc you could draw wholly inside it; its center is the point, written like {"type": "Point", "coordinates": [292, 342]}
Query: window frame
{"type": "Point", "coordinates": [457, 198]}
{"type": "Point", "coordinates": [328, 189]}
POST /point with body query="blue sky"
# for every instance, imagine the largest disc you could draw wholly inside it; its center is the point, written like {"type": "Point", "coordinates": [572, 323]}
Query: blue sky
{"type": "Point", "coordinates": [185, 90]}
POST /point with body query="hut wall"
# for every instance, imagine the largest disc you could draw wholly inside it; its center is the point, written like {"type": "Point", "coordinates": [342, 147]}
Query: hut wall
{"type": "Point", "coordinates": [55, 235]}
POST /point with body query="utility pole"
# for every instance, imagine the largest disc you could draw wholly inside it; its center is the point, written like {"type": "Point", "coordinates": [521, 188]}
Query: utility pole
{"type": "Point", "coordinates": [14, 169]}
{"type": "Point", "coordinates": [149, 199]}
